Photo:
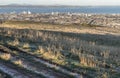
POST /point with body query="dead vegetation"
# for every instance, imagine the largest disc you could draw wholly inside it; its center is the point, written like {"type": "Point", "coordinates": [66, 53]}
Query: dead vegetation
{"type": "Point", "coordinates": [96, 55]}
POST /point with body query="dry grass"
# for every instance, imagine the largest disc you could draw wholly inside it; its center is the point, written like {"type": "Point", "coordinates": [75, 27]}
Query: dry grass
{"type": "Point", "coordinates": [5, 56]}
{"type": "Point", "coordinates": [87, 62]}
{"type": "Point", "coordinates": [14, 42]}
{"type": "Point", "coordinates": [18, 62]}
{"type": "Point", "coordinates": [68, 28]}
{"type": "Point", "coordinates": [75, 47]}
{"type": "Point", "coordinates": [26, 45]}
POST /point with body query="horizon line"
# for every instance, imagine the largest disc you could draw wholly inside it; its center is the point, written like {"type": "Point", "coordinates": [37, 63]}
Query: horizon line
{"type": "Point", "coordinates": [15, 4]}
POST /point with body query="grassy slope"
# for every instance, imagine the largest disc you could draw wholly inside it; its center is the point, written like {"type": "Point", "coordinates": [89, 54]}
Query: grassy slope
{"type": "Point", "coordinates": [64, 28]}
{"type": "Point", "coordinates": [98, 41]}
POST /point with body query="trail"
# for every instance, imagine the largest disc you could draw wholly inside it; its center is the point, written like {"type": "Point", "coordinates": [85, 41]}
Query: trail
{"type": "Point", "coordinates": [12, 72]}
{"type": "Point", "coordinates": [41, 67]}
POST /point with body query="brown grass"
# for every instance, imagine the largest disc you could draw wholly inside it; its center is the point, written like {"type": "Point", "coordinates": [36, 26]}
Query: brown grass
{"type": "Point", "coordinates": [5, 56]}
{"type": "Point", "coordinates": [75, 48]}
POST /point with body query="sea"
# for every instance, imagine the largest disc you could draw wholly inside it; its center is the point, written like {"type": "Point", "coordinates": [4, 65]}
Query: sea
{"type": "Point", "coordinates": [63, 9]}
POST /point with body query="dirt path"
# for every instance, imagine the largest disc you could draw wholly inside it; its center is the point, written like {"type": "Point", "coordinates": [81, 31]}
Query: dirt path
{"type": "Point", "coordinates": [36, 67]}
{"type": "Point", "coordinates": [48, 64]}
{"type": "Point", "coordinates": [42, 67]}
{"type": "Point", "coordinates": [12, 72]}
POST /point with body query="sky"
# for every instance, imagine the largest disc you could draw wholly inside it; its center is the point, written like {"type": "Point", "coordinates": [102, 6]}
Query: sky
{"type": "Point", "coordinates": [62, 2]}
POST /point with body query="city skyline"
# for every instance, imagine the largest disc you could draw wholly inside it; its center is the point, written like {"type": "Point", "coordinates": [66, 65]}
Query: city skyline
{"type": "Point", "coordinates": [63, 2]}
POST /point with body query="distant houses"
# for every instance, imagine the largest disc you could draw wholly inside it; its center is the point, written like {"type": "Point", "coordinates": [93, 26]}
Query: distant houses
{"type": "Point", "coordinates": [65, 18]}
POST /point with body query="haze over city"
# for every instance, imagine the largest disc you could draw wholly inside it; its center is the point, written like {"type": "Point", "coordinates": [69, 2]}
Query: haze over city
{"type": "Point", "coordinates": [63, 2]}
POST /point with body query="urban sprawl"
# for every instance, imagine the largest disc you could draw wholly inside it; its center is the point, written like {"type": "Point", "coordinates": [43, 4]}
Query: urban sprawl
{"type": "Point", "coordinates": [111, 20]}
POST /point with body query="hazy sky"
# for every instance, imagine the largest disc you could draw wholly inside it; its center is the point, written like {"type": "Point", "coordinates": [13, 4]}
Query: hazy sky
{"type": "Point", "coordinates": [62, 2]}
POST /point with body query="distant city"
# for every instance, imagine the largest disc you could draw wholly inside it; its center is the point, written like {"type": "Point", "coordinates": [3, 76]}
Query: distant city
{"type": "Point", "coordinates": [110, 20]}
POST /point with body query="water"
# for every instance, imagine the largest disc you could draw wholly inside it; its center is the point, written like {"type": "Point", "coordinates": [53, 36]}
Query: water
{"type": "Point", "coordinates": [87, 9]}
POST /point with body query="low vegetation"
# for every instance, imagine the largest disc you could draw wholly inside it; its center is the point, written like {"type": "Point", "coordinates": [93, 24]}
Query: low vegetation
{"type": "Point", "coordinates": [5, 56]}
{"type": "Point", "coordinates": [94, 55]}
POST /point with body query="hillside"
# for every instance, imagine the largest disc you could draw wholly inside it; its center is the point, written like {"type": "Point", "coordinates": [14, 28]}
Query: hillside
{"type": "Point", "coordinates": [40, 50]}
